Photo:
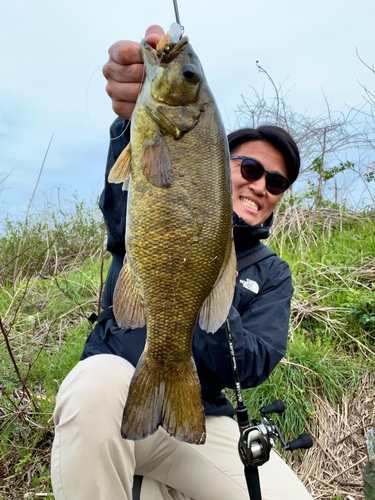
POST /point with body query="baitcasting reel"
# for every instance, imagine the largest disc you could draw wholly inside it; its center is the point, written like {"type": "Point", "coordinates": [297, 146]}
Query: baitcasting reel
{"type": "Point", "coordinates": [256, 441]}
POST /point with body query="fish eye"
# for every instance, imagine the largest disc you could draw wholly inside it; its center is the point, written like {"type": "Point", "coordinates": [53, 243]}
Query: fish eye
{"type": "Point", "coordinates": [190, 73]}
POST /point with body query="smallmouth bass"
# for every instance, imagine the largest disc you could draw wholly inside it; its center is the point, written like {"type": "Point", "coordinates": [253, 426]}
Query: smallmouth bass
{"type": "Point", "coordinates": [180, 262]}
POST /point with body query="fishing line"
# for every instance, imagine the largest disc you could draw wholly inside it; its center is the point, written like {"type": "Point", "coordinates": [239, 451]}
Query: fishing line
{"type": "Point", "coordinates": [88, 114]}
{"type": "Point", "coordinates": [122, 133]}
{"type": "Point", "coordinates": [139, 91]}
{"type": "Point", "coordinates": [87, 106]}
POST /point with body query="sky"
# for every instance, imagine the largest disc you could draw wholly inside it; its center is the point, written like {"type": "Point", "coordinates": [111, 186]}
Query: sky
{"type": "Point", "coordinates": [51, 82]}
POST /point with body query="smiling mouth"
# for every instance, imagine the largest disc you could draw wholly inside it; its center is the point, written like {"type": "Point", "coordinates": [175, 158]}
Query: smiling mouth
{"type": "Point", "coordinates": [249, 203]}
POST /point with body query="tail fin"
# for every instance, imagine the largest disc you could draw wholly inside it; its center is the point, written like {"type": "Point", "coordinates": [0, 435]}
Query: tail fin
{"type": "Point", "coordinates": [170, 399]}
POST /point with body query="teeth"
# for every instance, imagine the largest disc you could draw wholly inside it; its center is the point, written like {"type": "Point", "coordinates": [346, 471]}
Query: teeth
{"type": "Point", "coordinates": [250, 204]}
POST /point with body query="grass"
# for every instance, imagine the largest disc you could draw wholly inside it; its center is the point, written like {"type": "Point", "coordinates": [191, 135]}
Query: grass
{"type": "Point", "coordinates": [52, 270]}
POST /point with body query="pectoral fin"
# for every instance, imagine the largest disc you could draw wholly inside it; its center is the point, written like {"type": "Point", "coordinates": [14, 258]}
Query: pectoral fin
{"type": "Point", "coordinates": [216, 307]}
{"type": "Point", "coordinates": [127, 305]}
{"type": "Point", "coordinates": [120, 171]}
{"type": "Point", "coordinates": [156, 162]}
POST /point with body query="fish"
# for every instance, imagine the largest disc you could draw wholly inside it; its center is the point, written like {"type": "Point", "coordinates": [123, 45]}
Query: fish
{"type": "Point", "coordinates": [180, 262]}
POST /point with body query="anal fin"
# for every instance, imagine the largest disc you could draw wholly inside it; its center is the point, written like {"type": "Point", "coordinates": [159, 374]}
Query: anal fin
{"type": "Point", "coordinates": [216, 307]}
{"type": "Point", "coordinates": [127, 305]}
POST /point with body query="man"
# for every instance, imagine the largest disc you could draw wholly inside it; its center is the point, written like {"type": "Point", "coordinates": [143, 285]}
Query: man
{"type": "Point", "coordinates": [90, 460]}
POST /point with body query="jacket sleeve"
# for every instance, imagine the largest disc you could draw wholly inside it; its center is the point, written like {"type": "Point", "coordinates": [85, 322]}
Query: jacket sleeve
{"type": "Point", "coordinates": [259, 330]}
{"type": "Point", "coordinates": [113, 199]}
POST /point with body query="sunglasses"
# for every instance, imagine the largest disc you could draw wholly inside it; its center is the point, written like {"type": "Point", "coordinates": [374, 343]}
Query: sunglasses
{"type": "Point", "coordinates": [252, 170]}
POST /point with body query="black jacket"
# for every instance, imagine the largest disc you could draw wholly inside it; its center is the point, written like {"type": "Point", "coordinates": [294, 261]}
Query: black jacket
{"type": "Point", "coordinates": [259, 315]}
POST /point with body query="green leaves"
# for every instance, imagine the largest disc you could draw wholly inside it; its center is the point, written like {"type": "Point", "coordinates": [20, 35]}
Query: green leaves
{"type": "Point", "coordinates": [329, 172]}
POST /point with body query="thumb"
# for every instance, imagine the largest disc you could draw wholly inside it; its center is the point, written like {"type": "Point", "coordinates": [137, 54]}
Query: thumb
{"type": "Point", "coordinates": [153, 34]}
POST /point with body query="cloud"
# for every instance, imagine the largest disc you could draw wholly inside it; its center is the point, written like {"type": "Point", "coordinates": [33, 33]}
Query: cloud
{"type": "Point", "coordinates": [51, 49]}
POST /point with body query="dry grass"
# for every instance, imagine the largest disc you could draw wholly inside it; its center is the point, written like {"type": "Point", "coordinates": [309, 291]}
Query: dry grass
{"type": "Point", "coordinates": [294, 225]}
{"type": "Point", "coordinates": [44, 311]}
{"type": "Point", "coordinates": [334, 465]}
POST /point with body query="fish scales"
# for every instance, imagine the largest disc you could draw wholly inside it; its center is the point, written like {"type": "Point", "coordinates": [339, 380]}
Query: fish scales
{"type": "Point", "coordinates": [174, 214]}
{"type": "Point", "coordinates": [179, 248]}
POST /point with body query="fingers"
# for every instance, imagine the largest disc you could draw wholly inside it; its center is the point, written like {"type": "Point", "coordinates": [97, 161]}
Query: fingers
{"type": "Point", "coordinates": [153, 34]}
{"type": "Point", "coordinates": [131, 73]}
{"type": "Point", "coordinates": [123, 108]}
{"type": "Point", "coordinates": [124, 71]}
{"type": "Point", "coordinates": [125, 62]}
{"type": "Point", "coordinates": [124, 97]}
{"type": "Point", "coordinates": [123, 91]}
{"type": "Point", "coordinates": [125, 52]}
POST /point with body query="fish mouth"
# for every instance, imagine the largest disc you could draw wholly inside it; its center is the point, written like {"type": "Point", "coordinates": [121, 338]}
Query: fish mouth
{"type": "Point", "coordinates": [250, 203]}
{"type": "Point", "coordinates": [167, 51]}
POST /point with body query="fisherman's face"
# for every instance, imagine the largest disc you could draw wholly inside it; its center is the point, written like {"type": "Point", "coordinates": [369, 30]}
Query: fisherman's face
{"type": "Point", "coordinates": [251, 200]}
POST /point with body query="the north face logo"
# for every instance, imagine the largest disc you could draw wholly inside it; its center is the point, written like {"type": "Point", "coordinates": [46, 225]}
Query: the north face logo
{"type": "Point", "coordinates": [250, 285]}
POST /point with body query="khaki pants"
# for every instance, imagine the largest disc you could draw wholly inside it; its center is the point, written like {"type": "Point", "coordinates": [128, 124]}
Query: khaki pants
{"type": "Point", "coordinates": [90, 460]}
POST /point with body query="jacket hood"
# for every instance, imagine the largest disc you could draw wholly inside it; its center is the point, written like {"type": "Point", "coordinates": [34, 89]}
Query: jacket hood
{"type": "Point", "coordinates": [246, 235]}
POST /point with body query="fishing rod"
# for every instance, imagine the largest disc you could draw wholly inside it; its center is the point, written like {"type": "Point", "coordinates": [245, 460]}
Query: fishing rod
{"type": "Point", "coordinates": [176, 30]}
{"type": "Point", "coordinates": [176, 12]}
{"type": "Point", "coordinates": [257, 440]}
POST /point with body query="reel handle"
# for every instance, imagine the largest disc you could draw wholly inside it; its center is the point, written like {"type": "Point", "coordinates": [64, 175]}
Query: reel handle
{"type": "Point", "coordinates": [275, 407]}
{"type": "Point", "coordinates": [304, 442]}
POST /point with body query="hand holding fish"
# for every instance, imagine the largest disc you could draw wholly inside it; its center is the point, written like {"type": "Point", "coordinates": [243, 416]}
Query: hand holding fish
{"type": "Point", "coordinates": [178, 278]}
{"type": "Point", "coordinates": [125, 71]}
